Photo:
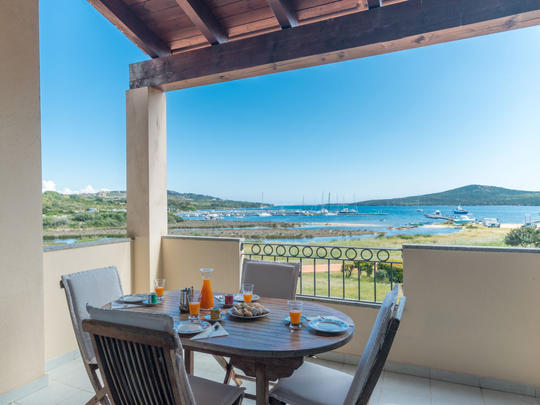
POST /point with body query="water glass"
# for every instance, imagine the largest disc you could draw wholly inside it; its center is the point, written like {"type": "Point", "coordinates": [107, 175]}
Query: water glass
{"type": "Point", "coordinates": [159, 286]}
{"type": "Point", "coordinates": [295, 314]}
{"type": "Point", "coordinates": [247, 292]}
{"type": "Point", "coordinates": [194, 302]}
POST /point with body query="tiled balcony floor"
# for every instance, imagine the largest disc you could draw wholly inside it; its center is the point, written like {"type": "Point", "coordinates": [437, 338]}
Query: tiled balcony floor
{"type": "Point", "coordinates": [69, 385]}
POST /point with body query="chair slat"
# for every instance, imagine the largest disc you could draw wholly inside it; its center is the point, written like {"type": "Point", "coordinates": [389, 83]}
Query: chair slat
{"type": "Point", "coordinates": [140, 379]}
{"type": "Point", "coordinates": [109, 370]}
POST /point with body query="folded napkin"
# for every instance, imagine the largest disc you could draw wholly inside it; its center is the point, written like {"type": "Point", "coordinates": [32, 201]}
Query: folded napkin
{"type": "Point", "coordinates": [328, 317]}
{"type": "Point", "coordinates": [122, 305]}
{"type": "Point", "coordinates": [214, 331]}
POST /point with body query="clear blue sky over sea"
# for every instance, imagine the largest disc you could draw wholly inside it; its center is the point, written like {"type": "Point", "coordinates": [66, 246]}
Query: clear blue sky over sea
{"type": "Point", "coordinates": [406, 123]}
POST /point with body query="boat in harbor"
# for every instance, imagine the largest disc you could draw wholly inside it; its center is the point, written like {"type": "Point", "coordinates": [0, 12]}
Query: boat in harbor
{"type": "Point", "coordinates": [437, 215]}
{"type": "Point", "coordinates": [464, 219]}
{"type": "Point", "coordinates": [347, 211]}
{"type": "Point", "coordinates": [460, 210]}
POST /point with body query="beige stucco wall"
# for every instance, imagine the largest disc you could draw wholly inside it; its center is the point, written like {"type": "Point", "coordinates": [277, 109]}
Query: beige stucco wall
{"type": "Point", "coordinates": [184, 256]}
{"type": "Point", "coordinates": [21, 320]}
{"type": "Point", "coordinates": [472, 311]}
{"type": "Point", "coordinates": [59, 336]}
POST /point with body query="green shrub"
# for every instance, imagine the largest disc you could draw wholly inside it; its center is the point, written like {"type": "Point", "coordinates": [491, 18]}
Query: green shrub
{"type": "Point", "coordinates": [523, 237]}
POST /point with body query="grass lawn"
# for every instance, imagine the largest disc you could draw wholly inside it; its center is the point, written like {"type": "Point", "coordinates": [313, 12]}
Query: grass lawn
{"type": "Point", "coordinates": [367, 291]}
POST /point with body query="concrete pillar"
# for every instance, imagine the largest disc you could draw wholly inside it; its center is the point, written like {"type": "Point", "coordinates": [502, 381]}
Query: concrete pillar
{"type": "Point", "coordinates": [146, 135]}
{"type": "Point", "coordinates": [21, 255]}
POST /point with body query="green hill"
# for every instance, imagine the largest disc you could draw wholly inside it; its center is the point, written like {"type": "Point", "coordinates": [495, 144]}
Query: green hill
{"type": "Point", "coordinates": [107, 209]}
{"type": "Point", "coordinates": [473, 194]}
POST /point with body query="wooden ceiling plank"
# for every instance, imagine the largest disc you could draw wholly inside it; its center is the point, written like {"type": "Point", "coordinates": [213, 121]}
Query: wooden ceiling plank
{"type": "Point", "coordinates": [284, 12]}
{"type": "Point", "coordinates": [396, 27]}
{"type": "Point", "coordinates": [373, 3]}
{"type": "Point", "coordinates": [201, 16]}
{"type": "Point", "coordinates": [132, 27]}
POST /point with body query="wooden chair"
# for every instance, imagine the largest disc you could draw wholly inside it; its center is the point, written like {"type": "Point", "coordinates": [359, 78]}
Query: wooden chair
{"type": "Point", "coordinates": [271, 280]}
{"type": "Point", "coordinates": [95, 287]}
{"type": "Point", "coordinates": [313, 384]}
{"type": "Point", "coordinates": [140, 358]}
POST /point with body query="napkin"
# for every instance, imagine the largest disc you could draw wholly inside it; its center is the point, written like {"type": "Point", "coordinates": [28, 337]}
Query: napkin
{"type": "Point", "coordinates": [122, 305]}
{"type": "Point", "coordinates": [329, 317]}
{"type": "Point", "coordinates": [211, 332]}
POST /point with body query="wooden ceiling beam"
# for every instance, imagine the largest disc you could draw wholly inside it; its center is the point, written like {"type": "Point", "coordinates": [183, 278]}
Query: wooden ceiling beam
{"type": "Point", "coordinates": [201, 16]}
{"type": "Point", "coordinates": [373, 3]}
{"type": "Point", "coordinates": [132, 27]}
{"type": "Point", "coordinates": [396, 27]}
{"type": "Point", "coordinates": [284, 13]}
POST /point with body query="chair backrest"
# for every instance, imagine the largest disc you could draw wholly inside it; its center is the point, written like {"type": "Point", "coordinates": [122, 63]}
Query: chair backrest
{"type": "Point", "coordinates": [271, 279]}
{"type": "Point", "coordinates": [139, 355]}
{"type": "Point", "coordinates": [95, 287]}
{"type": "Point", "coordinates": [376, 351]}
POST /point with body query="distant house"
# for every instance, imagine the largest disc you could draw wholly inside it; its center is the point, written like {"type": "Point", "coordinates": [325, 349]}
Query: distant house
{"type": "Point", "coordinates": [92, 210]}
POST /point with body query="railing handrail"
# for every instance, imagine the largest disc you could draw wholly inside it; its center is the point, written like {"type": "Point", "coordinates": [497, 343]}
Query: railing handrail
{"type": "Point", "coordinates": [328, 249]}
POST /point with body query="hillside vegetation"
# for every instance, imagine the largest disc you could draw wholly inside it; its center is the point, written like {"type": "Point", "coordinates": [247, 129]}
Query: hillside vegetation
{"type": "Point", "coordinates": [108, 209]}
{"type": "Point", "coordinates": [468, 195]}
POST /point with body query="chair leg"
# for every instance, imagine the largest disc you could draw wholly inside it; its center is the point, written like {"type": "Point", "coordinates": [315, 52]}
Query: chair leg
{"type": "Point", "coordinates": [229, 372]}
{"type": "Point", "coordinates": [101, 394]}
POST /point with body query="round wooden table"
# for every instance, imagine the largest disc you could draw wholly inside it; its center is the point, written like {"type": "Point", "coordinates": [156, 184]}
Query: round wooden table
{"type": "Point", "coordinates": [264, 348]}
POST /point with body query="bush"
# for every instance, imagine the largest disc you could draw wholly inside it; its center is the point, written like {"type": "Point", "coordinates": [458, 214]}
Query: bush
{"type": "Point", "coordinates": [385, 271]}
{"type": "Point", "coordinates": [523, 237]}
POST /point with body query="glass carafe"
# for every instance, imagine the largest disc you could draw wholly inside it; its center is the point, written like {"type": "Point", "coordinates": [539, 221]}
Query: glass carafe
{"type": "Point", "coordinates": [207, 297]}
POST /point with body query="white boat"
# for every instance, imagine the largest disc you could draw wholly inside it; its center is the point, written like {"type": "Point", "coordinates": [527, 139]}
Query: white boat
{"type": "Point", "coordinates": [464, 219]}
{"type": "Point", "coordinates": [265, 214]}
{"type": "Point", "coordinates": [347, 211]}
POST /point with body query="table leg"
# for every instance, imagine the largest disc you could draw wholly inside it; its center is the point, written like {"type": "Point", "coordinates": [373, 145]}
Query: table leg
{"type": "Point", "coordinates": [262, 384]}
{"type": "Point", "coordinates": [188, 361]}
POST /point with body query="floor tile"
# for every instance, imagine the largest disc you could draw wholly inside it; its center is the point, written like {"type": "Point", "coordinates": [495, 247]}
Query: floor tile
{"type": "Point", "coordinates": [444, 393]}
{"type": "Point", "coordinates": [53, 394]}
{"type": "Point", "coordinates": [504, 398]}
{"type": "Point", "coordinates": [401, 389]}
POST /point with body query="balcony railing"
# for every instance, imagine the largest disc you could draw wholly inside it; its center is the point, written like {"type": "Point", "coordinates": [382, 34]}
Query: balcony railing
{"type": "Point", "coordinates": [345, 273]}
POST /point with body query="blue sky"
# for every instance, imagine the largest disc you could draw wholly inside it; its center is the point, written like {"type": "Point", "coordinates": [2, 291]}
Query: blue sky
{"type": "Point", "coordinates": [405, 123]}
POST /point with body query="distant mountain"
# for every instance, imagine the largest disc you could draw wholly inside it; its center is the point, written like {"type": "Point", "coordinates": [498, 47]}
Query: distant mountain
{"type": "Point", "coordinates": [473, 194]}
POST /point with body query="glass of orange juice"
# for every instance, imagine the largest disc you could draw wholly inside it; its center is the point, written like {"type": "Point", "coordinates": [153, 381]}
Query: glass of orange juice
{"type": "Point", "coordinates": [159, 286]}
{"type": "Point", "coordinates": [247, 292]}
{"type": "Point", "coordinates": [295, 313]}
{"type": "Point", "coordinates": [194, 303]}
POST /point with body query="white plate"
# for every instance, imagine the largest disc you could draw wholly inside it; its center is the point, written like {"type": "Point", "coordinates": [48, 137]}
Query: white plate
{"type": "Point", "coordinates": [240, 297]}
{"type": "Point", "coordinates": [190, 327]}
{"type": "Point", "coordinates": [329, 325]}
{"type": "Point", "coordinates": [247, 317]}
{"type": "Point", "coordinates": [133, 298]}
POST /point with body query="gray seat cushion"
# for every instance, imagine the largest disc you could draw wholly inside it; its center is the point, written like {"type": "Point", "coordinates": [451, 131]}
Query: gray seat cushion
{"type": "Point", "coordinates": [208, 392]}
{"type": "Point", "coordinates": [95, 287]}
{"type": "Point", "coordinates": [312, 384]}
{"type": "Point", "coordinates": [271, 279]}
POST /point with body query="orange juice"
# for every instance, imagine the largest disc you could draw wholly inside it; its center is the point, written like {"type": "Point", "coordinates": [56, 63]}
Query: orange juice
{"type": "Point", "coordinates": [296, 316]}
{"type": "Point", "coordinates": [159, 291]}
{"type": "Point", "coordinates": [207, 296]}
{"type": "Point", "coordinates": [248, 297]}
{"type": "Point", "coordinates": [194, 308]}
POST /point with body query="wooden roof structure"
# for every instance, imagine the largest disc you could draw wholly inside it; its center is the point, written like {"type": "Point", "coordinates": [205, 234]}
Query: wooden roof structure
{"type": "Point", "coordinates": [196, 42]}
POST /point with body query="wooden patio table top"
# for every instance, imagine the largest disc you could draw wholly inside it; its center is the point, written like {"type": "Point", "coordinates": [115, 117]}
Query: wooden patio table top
{"type": "Point", "coordinates": [264, 337]}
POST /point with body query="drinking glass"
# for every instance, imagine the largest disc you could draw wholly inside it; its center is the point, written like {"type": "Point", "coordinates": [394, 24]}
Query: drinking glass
{"type": "Point", "coordinates": [159, 286]}
{"type": "Point", "coordinates": [295, 313]}
{"type": "Point", "coordinates": [247, 292]}
{"type": "Point", "coordinates": [194, 303]}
